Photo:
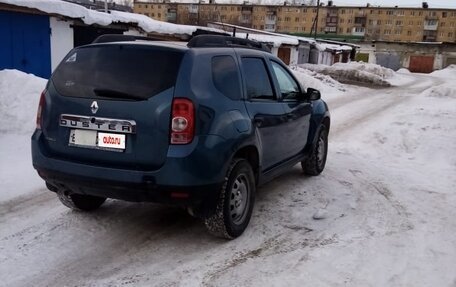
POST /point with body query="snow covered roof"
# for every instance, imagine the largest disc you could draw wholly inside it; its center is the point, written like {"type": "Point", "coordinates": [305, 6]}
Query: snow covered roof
{"type": "Point", "coordinates": [90, 17]}
{"type": "Point", "coordinates": [276, 41]}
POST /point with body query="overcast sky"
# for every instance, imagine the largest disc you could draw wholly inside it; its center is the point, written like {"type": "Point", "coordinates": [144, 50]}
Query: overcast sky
{"type": "Point", "coordinates": [400, 3]}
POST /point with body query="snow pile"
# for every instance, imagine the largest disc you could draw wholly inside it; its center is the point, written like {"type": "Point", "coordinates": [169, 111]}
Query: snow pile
{"type": "Point", "coordinates": [90, 17]}
{"type": "Point", "coordinates": [19, 97]}
{"type": "Point", "coordinates": [311, 79]}
{"type": "Point", "coordinates": [446, 90]}
{"type": "Point", "coordinates": [449, 72]}
{"type": "Point", "coordinates": [355, 73]}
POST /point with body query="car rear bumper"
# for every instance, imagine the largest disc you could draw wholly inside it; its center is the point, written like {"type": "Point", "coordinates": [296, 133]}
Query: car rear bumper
{"type": "Point", "coordinates": [182, 180]}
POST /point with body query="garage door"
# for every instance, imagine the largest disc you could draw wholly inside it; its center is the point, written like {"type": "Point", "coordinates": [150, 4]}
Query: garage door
{"type": "Point", "coordinates": [25, 43]}
{"type": "Point", "coordinates": [284, 55]}
{"type": "Point", "coordinates": [388, 60]}
{"type": "Point", "coordinates": [421, 64]}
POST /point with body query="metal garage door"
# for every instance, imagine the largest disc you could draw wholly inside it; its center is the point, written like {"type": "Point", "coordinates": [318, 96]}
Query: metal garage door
{"type": "Point", "coordinates": [388, 60]}
{"type": "Point", "coordinates": [25, 43]}
{"type": "Point", "coordinates": [421, 64]}
{"type": "Point", "coordinates": [284, 55]}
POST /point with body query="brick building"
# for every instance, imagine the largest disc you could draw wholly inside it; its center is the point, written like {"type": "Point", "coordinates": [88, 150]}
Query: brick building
{"type": "Point", "coordinates": [365, 23]}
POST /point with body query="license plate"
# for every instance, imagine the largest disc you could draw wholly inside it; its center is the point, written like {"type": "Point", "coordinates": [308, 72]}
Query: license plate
{"type": "Point", "coordinates": [94, 139]}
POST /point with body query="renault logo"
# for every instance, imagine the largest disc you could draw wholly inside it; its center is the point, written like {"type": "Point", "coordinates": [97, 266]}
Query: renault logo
{"type": "Point", "coordinates": [94, 107]}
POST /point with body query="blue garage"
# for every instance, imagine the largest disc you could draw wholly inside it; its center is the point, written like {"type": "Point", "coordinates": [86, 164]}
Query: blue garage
{"type": "Point", "coordinates": [25, 43]}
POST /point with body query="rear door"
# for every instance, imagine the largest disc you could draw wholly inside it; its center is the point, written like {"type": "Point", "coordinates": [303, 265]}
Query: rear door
{"type": "Point", "coordinates": [110, 105]}
{"type": "Point", "coordinates": [297, 111]}
{"type": "Point", "coordinates": [264, 108]}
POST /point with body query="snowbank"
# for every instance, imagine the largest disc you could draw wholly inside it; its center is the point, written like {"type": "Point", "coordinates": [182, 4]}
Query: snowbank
{"type": "Point", "coordinates": [311, 79]}
{"type": "Point", "coordinates": [448, 72]}
{"type": "Point", "coordinates": [19, 96]}
{"type": "Point", "coordinates": [355, 73]}
{"type": "Point", "coordinates": [446, 90]}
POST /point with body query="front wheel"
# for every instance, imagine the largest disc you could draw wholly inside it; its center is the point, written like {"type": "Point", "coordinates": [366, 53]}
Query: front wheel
{"type": "Point", "coordinates": [80, 201]}
{"type": "Point", "coordinates": [316, 161]}
{"type": "Point", "coordinates": [235, 204]}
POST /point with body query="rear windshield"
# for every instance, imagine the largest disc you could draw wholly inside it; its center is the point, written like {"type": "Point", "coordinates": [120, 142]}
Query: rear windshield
{"type": "Point", "coordinates": [120, 71]}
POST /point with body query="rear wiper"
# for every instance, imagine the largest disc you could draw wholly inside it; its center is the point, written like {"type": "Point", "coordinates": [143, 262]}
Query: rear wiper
{"type": "Point", "coordinates": [107, 93]}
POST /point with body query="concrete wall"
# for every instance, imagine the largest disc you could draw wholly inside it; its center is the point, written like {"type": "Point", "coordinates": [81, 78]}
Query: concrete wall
{"type": "Point", "coordinates": [397, 55]}
{"type": "Point", "coordinates": [61, 40]}
{"type": "Point", "coordinates": [294, 56]}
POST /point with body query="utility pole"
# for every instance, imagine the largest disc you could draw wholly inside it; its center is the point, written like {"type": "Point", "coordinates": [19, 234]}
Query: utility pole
{"type": "Point", "coordinates": [316, 19]}
{"type": "Point", "coordinates": [106, 6]}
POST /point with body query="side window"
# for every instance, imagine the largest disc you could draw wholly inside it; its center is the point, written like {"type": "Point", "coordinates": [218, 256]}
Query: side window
{"type": "Point", "coordinates": [257, 79]}
{"type": "Point", "coordinates": [288, 86]}
{"type": "Point", "coordinates": [225, 76]}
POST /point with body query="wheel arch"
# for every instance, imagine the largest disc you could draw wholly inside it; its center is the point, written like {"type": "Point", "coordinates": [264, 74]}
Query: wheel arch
{"type": "Point", "coordinates": [251, 154]}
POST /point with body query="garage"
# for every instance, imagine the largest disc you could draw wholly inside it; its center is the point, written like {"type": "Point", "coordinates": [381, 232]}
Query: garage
{"type": "Point", "coordinates": [25, 43]}
{"type": "Point", "coordinates": [421, 64]}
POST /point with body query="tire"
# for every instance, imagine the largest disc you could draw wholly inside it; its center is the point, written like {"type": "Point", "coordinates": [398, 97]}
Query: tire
{"type": "Point", "coordinates": [80, 202]}
{"type": "Point", "coordinates": [316, 161]}
{"type": "Point", "coordinates": [235, 203]}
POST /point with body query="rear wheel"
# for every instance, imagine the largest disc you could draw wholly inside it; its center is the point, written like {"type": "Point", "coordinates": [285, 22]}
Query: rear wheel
{"type": "Point", "coordinates": [235, 204]}
{"type": "Point", "coordinates": [80, 201]}
{"type": "Point", "coordinates": [316, 161]}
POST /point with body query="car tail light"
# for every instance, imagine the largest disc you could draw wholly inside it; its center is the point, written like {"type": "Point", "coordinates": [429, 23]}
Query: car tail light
{"type": "Point", "coordinates": [39, 113]}
{"type": "Point", "coordinates": [182, 121]}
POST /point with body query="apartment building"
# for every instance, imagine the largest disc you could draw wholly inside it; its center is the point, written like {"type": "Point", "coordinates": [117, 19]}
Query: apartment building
{"type": "Point", "coordinates": [366, 23]}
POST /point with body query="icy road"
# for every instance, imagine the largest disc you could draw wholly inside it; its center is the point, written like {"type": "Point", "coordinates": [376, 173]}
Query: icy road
{"type": "Point", "coordinates": [386, 209]}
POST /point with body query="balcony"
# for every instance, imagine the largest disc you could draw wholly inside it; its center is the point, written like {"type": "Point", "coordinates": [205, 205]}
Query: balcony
{"type": "Point", "coordinates": [358, 31]}
{"type": "Point", "coordinates": [431, 25]}
{"type": "Point", "coordinates": [330, 29]}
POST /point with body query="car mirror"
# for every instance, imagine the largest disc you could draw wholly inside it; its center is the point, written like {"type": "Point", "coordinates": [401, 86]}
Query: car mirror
{"type": "Point", "coordinates": [313, 94]}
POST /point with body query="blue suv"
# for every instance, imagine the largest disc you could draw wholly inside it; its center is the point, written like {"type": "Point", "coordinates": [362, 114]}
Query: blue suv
{"type": "Point", "coordinates": [200, 126]}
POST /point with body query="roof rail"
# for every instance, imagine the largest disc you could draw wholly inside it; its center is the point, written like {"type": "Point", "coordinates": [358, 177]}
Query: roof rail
{"type": "Point", "coordinates": [106, 38]}
{"type": "Point", "coordinates": [225, 41]}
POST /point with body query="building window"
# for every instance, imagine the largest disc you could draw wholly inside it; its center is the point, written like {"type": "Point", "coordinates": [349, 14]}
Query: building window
{"type": "Point", "coordinates": [379, 22]}
{"type": "Point", "coordinates": [398, 32]}
{"type": "Point", "coordinates": [348, 30]}
{"type": "Point", "coordinates": [389, 12]}
{"type": "Point", "coordinates": [400, 13]}
{"type": "Point", "coordinates": [343, 11]}
{"type": "Point", "coordinates": [409, 33]}
{"type": "Point", "coordinates": [297, 19]}
{"type": "Point", "coordinates": [410, 23]}
{"type": "Point", "coordinates": [450, 35]}
{"type": "Point", "coordinates": [399, 23]}
{"type": "Point", "coordinates": [441, 34]}
{"type": "Point", "coordinates": [387, 32]}
{"type": "Point", "coordinates": [442, 24]}
{"type": "Point", "coordinates": [159, 15]}
{"type": "Point", "coordinates": [389, 22]}
{"type": "Point", "coordinates": [412, 13]}
{"type": "Point", "coordinates": [341, 21]}
{"type": "Point", "coordinates": [444, 14]}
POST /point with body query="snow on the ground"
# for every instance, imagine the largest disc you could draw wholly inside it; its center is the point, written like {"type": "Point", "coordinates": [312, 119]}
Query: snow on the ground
{"type": "Point", "coordinates": [360, 73]}
{"type": "Point", "coordinates": [381, 214]}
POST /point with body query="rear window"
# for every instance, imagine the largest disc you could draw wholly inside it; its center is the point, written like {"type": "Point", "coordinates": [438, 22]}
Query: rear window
{"type": "Point", "coordinates": [117, 71]}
